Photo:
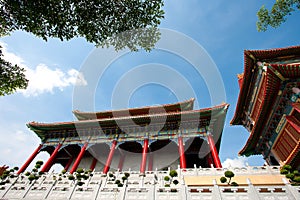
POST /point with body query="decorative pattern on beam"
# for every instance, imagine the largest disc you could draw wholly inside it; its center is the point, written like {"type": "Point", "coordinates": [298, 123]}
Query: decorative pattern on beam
{"type": "Point", "coordinates": [126, 138]}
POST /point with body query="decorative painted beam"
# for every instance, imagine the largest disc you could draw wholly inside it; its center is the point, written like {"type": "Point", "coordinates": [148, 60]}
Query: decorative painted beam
{"type": "Point", "coordinates": [30, 159]}
{"type": "Point", "coordinates": [50, 161]}
{"type": "Point", "coordinates": [110, 157]}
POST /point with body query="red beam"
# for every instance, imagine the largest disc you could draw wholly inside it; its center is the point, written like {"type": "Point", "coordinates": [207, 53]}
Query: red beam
{"type": "Point", "coordinates": [50, 161]}
{"type": "Point", "coordinates": [110, 156]}
{"type": "Point", "coordinates": [144, 156]}
{"type": "Point", "coordinates": [30, 159]}
{"type": "Point", "coordinates": [93, 165]}
{"type": "Point", "coordinates": [68, 164]}
{"type": "Point", "coordinates": [181, 153]}
{"type": "Point", "coordinates": [78, 159]}
{"type": "Point", "coordinates": [214, 151]}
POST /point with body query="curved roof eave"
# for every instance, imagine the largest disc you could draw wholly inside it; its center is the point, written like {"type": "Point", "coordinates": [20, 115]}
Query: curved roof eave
{"type": "Point", "coordinates": [184, 105]}
{"type": "Point", "coordinates": [43, 127]}
{"type": "Point", "coordinates": [270, 92]}
{"type": "Point", "coordinates": [251, 56]}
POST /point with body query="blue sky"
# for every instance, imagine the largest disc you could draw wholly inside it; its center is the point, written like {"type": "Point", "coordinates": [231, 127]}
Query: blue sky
{"type": "Point", "coordinates": [223, 28]}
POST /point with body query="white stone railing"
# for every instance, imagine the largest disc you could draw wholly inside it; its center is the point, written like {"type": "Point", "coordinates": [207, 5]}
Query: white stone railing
{"type": "Point", "coordinates": [151, 185]}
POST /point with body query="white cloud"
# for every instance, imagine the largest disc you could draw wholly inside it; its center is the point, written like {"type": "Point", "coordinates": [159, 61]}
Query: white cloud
{"type": "Point", "coordinates": [236, 162]}
{"type": "Point", "coordinates": [11, 57]}
{"type": "Point", "coordinates": [16, 145]}
{"type": "Point", "coordinates": [20, 136]}
{"type": "Point", "coordinates": [43, 79]}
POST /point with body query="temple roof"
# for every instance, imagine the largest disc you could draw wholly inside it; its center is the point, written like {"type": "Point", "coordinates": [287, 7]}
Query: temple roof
{"type": "Point", "coordinates": [175, 107]}
{"type": "Point", "coordinates": [202, 115]}
{"type": "Point", "coordinates": [278, 69]}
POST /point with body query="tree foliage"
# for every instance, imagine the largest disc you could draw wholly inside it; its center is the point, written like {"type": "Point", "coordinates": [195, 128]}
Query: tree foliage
{"type": "Point", "coordinates": [292, 174]}
{"type": "Point", "coordinates": [173, 173]}
{"type": "Point", "coordinates": [277, 15]}
{"type": "Point", "coordinates": [119, 23]}
{"type": "Point", "coordinates": [228, 175]}
{"type": "Point", "coordinates": [12, 77]}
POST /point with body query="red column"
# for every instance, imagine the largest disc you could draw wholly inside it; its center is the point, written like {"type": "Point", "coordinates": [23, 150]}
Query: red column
{"type": "Point", "coordinates": [50, 161]}
{"type": "Point", "coordinates": [110, 156]}
{"type": "Point", "coordinates": [121, 161]}
{"type": "Point", "coordinates": [78, 159]}
{"type": "Point", "coordinates": [209, 160]}
{"type": "Point", "coordinates": [150, 162]}
{"type": "Point", "coordinates": [181, 153]}
{"type": "Point", "coordinates": [68, 164]}
{"type": "Point", "coordinates": [30, 159]}
{"type": "Point", "coordinates": [144, 156]}
{"type": "Point", "coordinates": [214, 151]}
{"type": "Point", "coordinates": [93, 165]}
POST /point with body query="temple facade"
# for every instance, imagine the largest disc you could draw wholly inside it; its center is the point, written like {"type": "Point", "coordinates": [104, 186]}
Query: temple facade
{"type": "Point", "coordinates": [140, 139]}
{"type": "Point", "coordinates": [269, 105]}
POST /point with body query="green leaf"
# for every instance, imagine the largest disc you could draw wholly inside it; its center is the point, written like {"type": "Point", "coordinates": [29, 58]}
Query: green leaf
{"type": "Point", "coordinates": [96, 20]}
{"type": "Point", "coordinates": [229, 174]}
{"type": "Point", "coordinates": [277, 15]}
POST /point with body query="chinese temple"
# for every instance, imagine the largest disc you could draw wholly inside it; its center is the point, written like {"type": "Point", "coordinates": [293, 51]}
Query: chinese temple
{"type": "Point", "coordinates": [269, 105]}
{"type": "Point", "coordinates": [144, 139]}
{"type": "Point", "coordinates": [171, 151]}
{"type": "Point", "coordinates": [156, 152]}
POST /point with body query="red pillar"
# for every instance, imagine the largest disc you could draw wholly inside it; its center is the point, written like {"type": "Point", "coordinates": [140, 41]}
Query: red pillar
{"type": "Point", "coordinates": [110, 156]}
{"type": "Point", "coordinates": [93, 165]}
{"type": "Point", "coordinates": [144, 156]}
{"type": "Point", "coordinates": [209, 160]}
{"type": "Point", "coordinates": [214, 151]}
{"type": "Point", "coordinates": [78, 159]}
{"type": "Point", "coordinates": [30, 159]}
{"type": "Point", "coordinates": [150, 162]}
{"type": "Point", "coordinates": [68, 164]}
{"type": "Point", "coordinates": [121, 161]}
{"type": "Point", "coordinates": [181, 153]}
{"type": "Point", "coordinates": [50, 161]}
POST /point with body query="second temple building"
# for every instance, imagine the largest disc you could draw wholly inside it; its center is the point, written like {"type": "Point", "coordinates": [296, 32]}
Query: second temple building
{"type": "Point", "coordinates": [269, 105]}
